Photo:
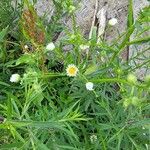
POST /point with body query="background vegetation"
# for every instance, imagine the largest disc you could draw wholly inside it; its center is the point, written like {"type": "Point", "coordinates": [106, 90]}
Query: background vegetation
{"type": "Point", "coordinates": [49, 110]}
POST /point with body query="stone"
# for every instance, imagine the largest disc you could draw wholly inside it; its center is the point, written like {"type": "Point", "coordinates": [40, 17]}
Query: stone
{"type": "Point", "coordinates": [135, 49]}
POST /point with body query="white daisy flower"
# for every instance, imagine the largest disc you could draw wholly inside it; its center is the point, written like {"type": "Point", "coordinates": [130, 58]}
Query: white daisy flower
{"type": "Point", "coordinates": [26, 47]}
{"type": "Point", "coordinates": [72, 70]}
{"type": "Point", "coordinates": [98, 52]}
{"type": "Point", "coordinates": [15, 78]}
{"type": "Point", "coordinates": [89, 86]}
{"type": "Point", "coordinates": [113, 21]}
{"type": "Point", "coordinates": [50, 46]}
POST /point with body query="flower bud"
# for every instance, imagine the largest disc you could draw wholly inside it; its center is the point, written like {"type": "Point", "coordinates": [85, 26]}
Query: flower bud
{"type": "Point", "coordinates": [26, 47]}
{"type": "Point", "coordinates": [135, 101]}
{"type": "Point", "coordinates": [126, 102]}
{"type": "Point", "coordinates": [71, 9]}
{"type": "Point", "coordinates": [119, 71]}
{"type": "Point", "coordinates": [93, 138]}
{"type": "Point", "coordinates": [89, 86]}
{"type": "Point", "coordinates": [113, 21]}
{"type": "Point", "coordinates": [50, 47]}
{"type": "Point", "coordinates": [15, 78]}
{"type": "Point", "coordinates": [131, 78]}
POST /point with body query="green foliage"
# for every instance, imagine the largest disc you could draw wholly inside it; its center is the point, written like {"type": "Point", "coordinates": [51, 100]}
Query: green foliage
{"type": "Point", "coordinates": [48, 109]}
{"type": "Point", "coordinates": [8, 13]}
{"type": "Point", "coordinates": [3, 33]}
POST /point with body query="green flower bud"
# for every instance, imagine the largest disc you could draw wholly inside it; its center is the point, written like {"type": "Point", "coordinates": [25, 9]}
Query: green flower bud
{"type": "Point", "coordinates": [119, 71]}
{"type": "Point", "coordinates": [135, 101]}
{"type": "Point", "coordinates": [71, 9]}
{"type": "Point", "coordinates": [131, 78]}
{"type": "Point", "coordinates": [127, 102]}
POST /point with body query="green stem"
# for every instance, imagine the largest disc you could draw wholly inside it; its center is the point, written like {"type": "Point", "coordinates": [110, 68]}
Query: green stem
{"type": "Point", "coordinates": [110, 80]}
{"type": "Point", "coordinates": [123, 44]}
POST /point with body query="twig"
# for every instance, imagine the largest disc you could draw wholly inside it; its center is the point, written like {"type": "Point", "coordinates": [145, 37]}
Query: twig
{"type": "Point", "coordinates": [94, 18]}
{"type": "Point", "coordinates": [101, 16]}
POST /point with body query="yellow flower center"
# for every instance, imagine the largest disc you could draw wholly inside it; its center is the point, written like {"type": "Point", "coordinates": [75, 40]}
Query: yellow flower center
{"type": "Point", "coordinates": [72, 70]}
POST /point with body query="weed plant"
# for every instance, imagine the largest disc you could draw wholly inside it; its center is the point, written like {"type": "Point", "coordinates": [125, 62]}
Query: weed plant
{"type": "Point", "coordinates": [73, 100]}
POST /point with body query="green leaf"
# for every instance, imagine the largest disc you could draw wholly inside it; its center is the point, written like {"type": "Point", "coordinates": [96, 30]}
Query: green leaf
{"type": "Point", "coordinates": [139, 41]}
{"type": "Point", "coordinates": [16, 124]}
{"type": "Point", "coordinates": [3, 33]}
{"type": "Point", "coordinates": [91, 69]}
{"type": "Point", "coordinates": [144, 15]}
{"type": "Point", "coordinates": [130, 14]}
{"type": "Point", "coordinates": [141, 123]}
{"type": "Point", "coordinates": [26, 59]}
{"type": "Point", "coordinates": [65, 147]}
{"type": "Point", "coordinates": [4, 84]}
{"type": "Point", "coordinates": [12, 145]}
{"type": "Point", "coordinates": [35, 124]}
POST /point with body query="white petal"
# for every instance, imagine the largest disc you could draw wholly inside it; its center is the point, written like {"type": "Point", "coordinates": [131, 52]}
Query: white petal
{"type": "Point", "coordinates": [15, 78]}
{"type": "Point", "coordinates": [50, 46]}
{"type": "Point", "coordinates": [26, 47]}
{"type": "Point", "coordinates": [89, 86]}
{"type": "Point", "coordinates": [113, 21]}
